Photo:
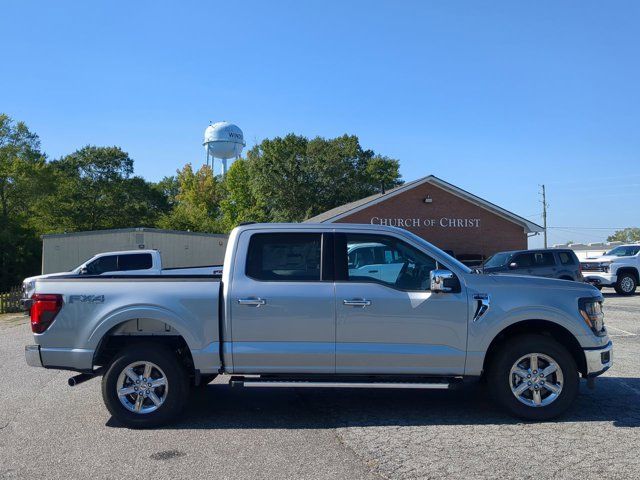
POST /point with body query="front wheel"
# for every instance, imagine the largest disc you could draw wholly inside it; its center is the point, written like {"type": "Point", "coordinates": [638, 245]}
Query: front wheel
{"type": "Point", "coordinates": [145, 386]}
{"type": "Point", "coordinates": [534, 377]}
{"type": "Point", "coordinates": [626, 284]}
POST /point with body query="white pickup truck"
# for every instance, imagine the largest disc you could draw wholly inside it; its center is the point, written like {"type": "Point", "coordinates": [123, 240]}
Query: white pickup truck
{"type": "Point", "coordinates": [618, 268]}
{"type": "Point", "coordinates": [126, 262]}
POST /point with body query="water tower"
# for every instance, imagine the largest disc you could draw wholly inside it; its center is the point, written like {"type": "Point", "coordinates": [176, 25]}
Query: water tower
{"type": "Point", "coordinates": [223, 140]}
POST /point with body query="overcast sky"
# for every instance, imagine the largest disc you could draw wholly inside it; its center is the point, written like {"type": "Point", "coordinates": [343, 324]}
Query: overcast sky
{"type": "Point", "coordinates": [495, 97]}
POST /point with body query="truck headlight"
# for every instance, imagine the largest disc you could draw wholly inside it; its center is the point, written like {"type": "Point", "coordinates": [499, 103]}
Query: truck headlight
{"type": "Point", "coordinates": [591, 311]}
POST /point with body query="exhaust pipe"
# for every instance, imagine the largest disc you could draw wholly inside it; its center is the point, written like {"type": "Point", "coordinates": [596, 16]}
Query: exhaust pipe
{"type": "Point", "coordinates": [81, 378]}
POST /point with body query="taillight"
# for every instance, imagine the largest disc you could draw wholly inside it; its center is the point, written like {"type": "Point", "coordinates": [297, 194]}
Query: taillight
{"type": "Point", "coordinates": [44, 308]}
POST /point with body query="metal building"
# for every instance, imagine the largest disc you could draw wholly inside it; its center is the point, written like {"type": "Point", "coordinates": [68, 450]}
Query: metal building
{"type": "Point", "coordinates": [62, 252]}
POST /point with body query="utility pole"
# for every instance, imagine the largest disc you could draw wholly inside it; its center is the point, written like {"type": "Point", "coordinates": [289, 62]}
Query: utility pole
{"type": "Point", "coordinates": [544, 214]}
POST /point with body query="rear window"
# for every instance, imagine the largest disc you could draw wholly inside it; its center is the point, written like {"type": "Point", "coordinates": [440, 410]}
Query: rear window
{"type": "Point", "coordinates": [136, 261]}
{"type": "Point", "coordinates": [567, 258]}
{"type": "Point", "coordinates": [284, 257]}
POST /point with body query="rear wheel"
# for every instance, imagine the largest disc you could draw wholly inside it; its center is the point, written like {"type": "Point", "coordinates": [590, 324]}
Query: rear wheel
{"type": "Point", "coordinates": [626, 284]}
{"type": "Point", "coordinates": [145, 386]}
{"type": "Point", "coordinates": [534, 377]}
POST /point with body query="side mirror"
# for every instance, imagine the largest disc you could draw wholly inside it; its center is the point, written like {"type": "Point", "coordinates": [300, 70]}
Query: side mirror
{"type": "Point", "coordinates": [442, 281]}
{"type": "Point", "coordinates": [513, 265]}
{"type": "Point", "coordinates": [84, 271]}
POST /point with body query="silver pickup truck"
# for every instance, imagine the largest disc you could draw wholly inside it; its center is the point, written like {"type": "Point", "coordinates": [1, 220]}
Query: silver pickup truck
{"type": "Point", "coordinates": [292, 309]}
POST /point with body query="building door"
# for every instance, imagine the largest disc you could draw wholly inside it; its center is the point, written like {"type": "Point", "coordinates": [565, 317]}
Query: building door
{"type": "Point", "coordinates": [395, 325]}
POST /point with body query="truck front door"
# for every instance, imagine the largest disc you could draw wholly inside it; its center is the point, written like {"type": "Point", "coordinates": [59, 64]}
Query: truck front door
{"type": "Point", "coordinates": [396, 325]}
{"type": "Point", "coordinates": [282, 309]}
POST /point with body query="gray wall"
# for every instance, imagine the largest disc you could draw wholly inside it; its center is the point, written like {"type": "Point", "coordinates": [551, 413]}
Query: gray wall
{"type": "Point", "coordinates": [61, 253]}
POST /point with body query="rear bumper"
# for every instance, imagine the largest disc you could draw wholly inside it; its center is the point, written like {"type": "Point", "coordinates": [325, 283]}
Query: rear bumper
{"type": "Point", "coordinates": [32, 355]}
{"type": "Point", "coordinates": [76, 359]}
{"type": "Point", "coordinates": [599, 278]}
{"type": "Point", "coordinates": [599, 360]}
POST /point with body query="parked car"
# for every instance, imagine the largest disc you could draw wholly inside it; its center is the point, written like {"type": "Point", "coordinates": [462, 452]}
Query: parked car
{"type": "Point", "coordinates": [553, 263]}
{"type": "Point", "coordinates": [128, 262]}
{"type": "Point", "coordinates": [617, 268]}
{"type": "Point", "coordinates": [290, 311]}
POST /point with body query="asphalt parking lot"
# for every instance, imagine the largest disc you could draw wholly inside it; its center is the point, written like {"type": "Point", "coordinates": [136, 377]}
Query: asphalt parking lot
{"type": "Point", "coordinates": [49, 430]}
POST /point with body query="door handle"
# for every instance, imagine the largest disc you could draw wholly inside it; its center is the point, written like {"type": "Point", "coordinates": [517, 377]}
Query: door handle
{"type": "Point", "coordinates": [357, 302]}
{"type": "Point", "coordinates": [252, 302]}
{"type": "Point", "coordinates": [373, 271]}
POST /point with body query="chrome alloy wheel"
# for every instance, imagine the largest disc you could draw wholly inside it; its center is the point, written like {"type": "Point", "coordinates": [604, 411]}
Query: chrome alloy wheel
{"type": "Point", "coordinates": [142, 387]}
{"type": "Point", "coordinates": [626, 285]}
{"type": "Point", "coordinates": [536, 380]}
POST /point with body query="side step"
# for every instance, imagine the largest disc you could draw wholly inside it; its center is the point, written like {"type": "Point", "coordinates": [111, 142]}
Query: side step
{"type": "Point", "coordinates": [368, 382]}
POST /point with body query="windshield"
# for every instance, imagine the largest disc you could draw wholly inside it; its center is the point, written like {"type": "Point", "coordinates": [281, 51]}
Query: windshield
{"type": "Point", "coordinates": [497, 260]}
{"type": "Point", "coordinates": [624, 251]}
{"type": "Point", "coordinates": [448, 258]}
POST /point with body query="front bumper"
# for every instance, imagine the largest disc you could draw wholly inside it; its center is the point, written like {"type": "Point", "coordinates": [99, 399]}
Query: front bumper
{"type": "Point", "coordinates": [600, 278]}
{"type": "Point", "coordinates": [599, 360]}
{"type": "Point", "coordinates": [32, 355]}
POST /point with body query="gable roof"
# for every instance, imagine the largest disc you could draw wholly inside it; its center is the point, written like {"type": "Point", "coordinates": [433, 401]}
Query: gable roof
{"type": "Point", "coordinates": [349, 208]}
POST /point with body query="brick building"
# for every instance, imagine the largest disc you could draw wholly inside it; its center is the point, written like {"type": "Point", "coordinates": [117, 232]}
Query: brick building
{"type": "Point", "coordinates": [443, 214]}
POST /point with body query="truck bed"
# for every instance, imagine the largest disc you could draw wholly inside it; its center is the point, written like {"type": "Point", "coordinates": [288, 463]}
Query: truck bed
{"type": "Point", "coordinates": [167, 305]}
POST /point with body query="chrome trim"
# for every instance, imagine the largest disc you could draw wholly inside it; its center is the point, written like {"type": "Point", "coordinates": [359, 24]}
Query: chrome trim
{"type": "Point", "coordinates": [594, 360]}
{"type": "Point", "coordinates": [357, 302]}
{"type": "Point", "coordinates": [288, 384]}
{"type": "Point", "coordinates": [32, 355]}
{"type": "Point", "coordinates": [484, 303]}
{"type": "Point", "coordinates": [253, 302]}
{"type": "Point", "coordinates": [437, 279]}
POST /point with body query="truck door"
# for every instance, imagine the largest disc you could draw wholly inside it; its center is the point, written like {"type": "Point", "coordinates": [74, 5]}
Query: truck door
{"type": "Point", "coordinates": [282, 304]}
{"type": "Point", "coordinates": [396, 325]}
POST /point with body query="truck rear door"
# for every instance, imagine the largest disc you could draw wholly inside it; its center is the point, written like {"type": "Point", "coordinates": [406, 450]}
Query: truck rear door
{"type": "Point", "coordinates": [282, 304]}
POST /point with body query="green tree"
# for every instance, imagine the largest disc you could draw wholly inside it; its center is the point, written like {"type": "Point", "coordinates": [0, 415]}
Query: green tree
{"type": "Point", "coordinates": [23, 176]}
{"type": "Point", "coordinates": [197, 203]}
{"type": "Point", "coordinates": [627, 235]}
{"type": "Point", "coordinates": [239, 203]}
{"type": "Point", "coordinates": [95, 189]}
{"type": "Point", "coordinates": [294, 178]}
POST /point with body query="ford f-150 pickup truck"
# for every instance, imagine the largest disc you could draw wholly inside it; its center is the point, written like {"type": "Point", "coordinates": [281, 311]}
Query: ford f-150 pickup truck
{"type": "Point", "coordinates": [292, 309]}
{"type": "Point", "coordinates": [618, 268]}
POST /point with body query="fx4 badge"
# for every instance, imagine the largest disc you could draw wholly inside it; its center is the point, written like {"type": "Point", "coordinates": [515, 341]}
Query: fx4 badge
{"type": "Point", "coordinates": [86, 298]}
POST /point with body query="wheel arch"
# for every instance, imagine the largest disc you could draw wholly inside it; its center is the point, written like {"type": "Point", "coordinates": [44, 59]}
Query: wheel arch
{"type": "Point", "coordinates": [127, 330]}
{"type": "Point", "coordinates": [631, 270]}
{"type": "Point", "coordinates": [541, 327]}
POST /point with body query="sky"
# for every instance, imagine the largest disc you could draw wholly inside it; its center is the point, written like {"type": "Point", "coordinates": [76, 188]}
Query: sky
{"type": "Point", "coordinates": [494, 97]}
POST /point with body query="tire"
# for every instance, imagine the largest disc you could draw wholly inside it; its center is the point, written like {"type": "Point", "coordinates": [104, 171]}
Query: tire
{"type": "Point", "coordinates": [157, 363]}
{"type": "Point", "coordinates": [626, 284]}
{"type": "Point", "coordinates": [500, 378]}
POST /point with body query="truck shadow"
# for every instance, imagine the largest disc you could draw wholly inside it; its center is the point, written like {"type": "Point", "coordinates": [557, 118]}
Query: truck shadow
{"type": "Point", "coordinates": [219, 406]}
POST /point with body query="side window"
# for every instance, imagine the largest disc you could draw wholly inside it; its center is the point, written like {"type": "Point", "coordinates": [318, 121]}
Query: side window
{"type": "Point", "coordinates": [566, 258]}
{"type": "Point", "coordinates": [108, 263]}
{"type": "Point", "coordinates": [523, 260]}
{"type": "Point", "coordinates": [544, 259]}
{"type": "Point", "coordinates": [136, 261]}
{"type": "Point", "coordinates": [284, 257]}
{"type": "Point", "coordinates": [402, 266]}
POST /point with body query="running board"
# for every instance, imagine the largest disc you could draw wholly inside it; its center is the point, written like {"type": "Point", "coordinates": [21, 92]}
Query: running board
{"type": "Point", "coordinates": [432, 384]}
